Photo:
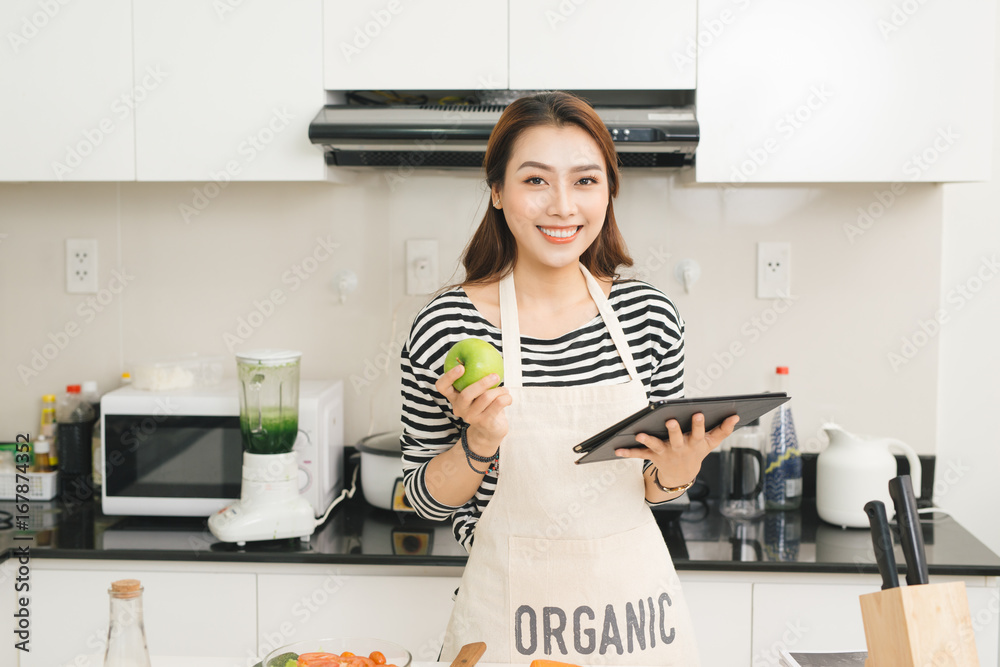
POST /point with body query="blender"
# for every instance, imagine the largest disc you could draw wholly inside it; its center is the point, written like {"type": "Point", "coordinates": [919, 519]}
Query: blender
{"type": "Point", "coordinates": [270, 506]}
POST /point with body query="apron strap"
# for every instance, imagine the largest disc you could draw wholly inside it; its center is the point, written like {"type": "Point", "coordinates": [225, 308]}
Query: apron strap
{"type": "Point", "coordinates": [611, 322]}
{"type": "Point", "coordinates": [510, 329]}
{"type": "Point", "coordinates": [510, 333]}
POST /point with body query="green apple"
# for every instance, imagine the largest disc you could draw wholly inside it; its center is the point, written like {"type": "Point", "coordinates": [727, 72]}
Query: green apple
{"type": "Point", "coordinates": [479, 358]}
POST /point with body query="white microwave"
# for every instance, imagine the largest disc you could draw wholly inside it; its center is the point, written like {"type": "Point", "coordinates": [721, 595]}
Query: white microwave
{"type": "Point", "coordinates": [180, 453]}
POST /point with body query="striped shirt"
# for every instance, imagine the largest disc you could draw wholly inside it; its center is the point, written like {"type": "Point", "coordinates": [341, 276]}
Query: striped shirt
{"type": "Point", "coordinates": [584, 356]}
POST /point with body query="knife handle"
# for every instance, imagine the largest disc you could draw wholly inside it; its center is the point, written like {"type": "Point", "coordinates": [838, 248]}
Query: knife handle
{"type": "Point", "coordinates": [882, 543]}
{"type": "Point", "coordinates": [911, 538]}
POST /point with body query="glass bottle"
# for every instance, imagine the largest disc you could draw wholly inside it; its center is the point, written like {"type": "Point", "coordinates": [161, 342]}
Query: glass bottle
{"type": "Point", "coordinates": [126, 633]}
{"type": "Point", "coordinates": [783, 464]}
{"type": "Point", "coordinates": [43, 447]}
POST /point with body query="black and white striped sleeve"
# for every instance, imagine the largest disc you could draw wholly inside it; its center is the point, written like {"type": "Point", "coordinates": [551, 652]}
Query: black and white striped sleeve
{"type": "Point", "coordinates": [429, 426]}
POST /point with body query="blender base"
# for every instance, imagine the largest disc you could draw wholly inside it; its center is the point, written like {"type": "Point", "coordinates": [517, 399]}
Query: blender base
{"type": "Point", "coordinates": [270, 507]}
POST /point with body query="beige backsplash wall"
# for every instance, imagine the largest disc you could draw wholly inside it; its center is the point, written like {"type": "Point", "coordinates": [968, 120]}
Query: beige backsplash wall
{"type": "Point", "coordinates": [188, 283]}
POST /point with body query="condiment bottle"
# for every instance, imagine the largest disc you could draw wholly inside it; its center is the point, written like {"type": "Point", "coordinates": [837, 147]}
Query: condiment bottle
{"type": "Point", "coordinates": [126, 633]}
{"type": "Point", "coordinates": [49, 425]}
{"type": "Point", "coordinates": [75, 418]}
{"type": "Point", "coordinates": [43, 447]}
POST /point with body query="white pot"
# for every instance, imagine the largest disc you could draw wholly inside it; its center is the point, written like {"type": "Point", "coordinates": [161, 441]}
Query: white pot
{"type": "Point", "coordinates": [382, 471]}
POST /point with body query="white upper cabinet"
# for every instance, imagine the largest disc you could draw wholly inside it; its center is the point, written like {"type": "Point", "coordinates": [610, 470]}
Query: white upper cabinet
{"type": "Point", "coordinates": [429, 45]}
{"type": "Point", "coordinates": [68, 100]}
{"type": "Point", "coordinates": [858, 90]}
{"type": "Point", "coordinates": [602, 44]}
{"type": "Point", "coordinates": [239, 83]}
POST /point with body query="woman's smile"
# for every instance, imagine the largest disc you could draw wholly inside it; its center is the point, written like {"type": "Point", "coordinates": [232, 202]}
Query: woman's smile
{"type": "Point", "coordinates": [560, 234]}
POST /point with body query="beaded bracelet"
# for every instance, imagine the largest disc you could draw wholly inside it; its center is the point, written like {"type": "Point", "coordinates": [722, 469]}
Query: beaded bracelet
{"type": "Point", "coordinates": [470, 456]}
{"type": "Point", "coordinates": [671, 489]}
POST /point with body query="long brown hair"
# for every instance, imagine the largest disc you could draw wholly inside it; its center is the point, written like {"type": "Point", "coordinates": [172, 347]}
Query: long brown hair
{"type": "Point", "coordinates": [492, 251]}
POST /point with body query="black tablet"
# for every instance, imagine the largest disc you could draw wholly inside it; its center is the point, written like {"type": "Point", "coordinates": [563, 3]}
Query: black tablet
{"type": "Point", "coordinates": [651, 420]}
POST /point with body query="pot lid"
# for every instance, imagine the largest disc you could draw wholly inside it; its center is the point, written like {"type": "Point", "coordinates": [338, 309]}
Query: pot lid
{"type": "Point", "coordinates": [382, 444]}
{"type": "Point", "coordinates": [269, 357]}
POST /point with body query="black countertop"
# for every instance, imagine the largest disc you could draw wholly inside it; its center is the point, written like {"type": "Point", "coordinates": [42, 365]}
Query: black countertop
{"type": "Point", "coordinates": [699, 539]}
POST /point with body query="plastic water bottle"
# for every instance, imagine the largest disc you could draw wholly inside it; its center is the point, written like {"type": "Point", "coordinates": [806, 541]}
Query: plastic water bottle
{"type": "Point", "coordinates": [783, 464]}
{"type": "Point", "coordinates": [126, 632]}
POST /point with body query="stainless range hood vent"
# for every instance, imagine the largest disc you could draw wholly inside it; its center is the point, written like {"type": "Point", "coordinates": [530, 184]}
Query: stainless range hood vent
{"type": "Point", "coordinates": [454, 136]}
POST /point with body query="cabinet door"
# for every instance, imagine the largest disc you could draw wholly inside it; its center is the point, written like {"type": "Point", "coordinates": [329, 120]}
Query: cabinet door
{"type": "Point", "coordinates": [715, 606]}
{"type": "Point", "coordinates": [822, 617]}
{"type": "Point", "coordinates": [68, 99]}
{"type": "Point", "coordinates": [240, 84]}
{"type": "Point", "coordinates": [806, 617]}
{"type": "Point", "coordinates": [431, 45]}
{"type": "Point", "coordinates": [410, 611]}
{"type": "Point", "coordinates": [860, 90]}
{"type": "Point", "coordinates": [602, 44]}
{"type": "Point", "coordinates": [193, 614]}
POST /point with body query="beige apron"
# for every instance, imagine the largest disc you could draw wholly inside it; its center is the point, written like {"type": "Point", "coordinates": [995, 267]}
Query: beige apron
{"type": "Point", "coordinates": [568, 562]}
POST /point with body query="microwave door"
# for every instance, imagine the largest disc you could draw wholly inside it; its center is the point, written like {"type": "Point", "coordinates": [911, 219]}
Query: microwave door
{"type": "Point", "coordinates": [171, 465]}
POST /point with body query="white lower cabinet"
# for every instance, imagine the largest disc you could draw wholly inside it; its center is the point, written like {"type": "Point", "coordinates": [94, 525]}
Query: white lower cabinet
{"type": "Point", "coordinates": [824, 614]}
{"type": "Point", "coordinates": [411, 611]}
{"type": "Point", "coordinates": [719, 606]}
{"type": "Point", "coordinates": [241, 611]}
{"type": "Point", "coordinates": [187, 613]}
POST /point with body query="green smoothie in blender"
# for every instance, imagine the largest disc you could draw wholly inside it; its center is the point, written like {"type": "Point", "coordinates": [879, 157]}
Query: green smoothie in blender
{"type": "Point", "coordinates": [269, 401]}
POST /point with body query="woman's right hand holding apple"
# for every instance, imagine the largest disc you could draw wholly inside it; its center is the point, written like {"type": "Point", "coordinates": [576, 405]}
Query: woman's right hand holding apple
{"type": "Point", "coordinates": [480, 407]}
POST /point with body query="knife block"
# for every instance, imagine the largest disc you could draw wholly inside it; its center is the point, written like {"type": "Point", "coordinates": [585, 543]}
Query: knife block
{"type": "Point", "coordinates": [915, 626]}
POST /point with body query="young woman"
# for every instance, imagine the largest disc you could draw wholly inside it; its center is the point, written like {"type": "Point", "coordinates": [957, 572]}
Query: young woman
{"type": "Point", "coordinates": [565, 561]}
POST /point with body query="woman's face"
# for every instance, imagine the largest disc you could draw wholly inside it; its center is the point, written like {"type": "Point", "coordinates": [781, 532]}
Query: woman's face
{"type": "Point", "coordinates": [555, 194]}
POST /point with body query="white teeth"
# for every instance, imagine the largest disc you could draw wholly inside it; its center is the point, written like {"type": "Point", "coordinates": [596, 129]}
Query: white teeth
{"type": "Point", "coordinates": [560, 233]}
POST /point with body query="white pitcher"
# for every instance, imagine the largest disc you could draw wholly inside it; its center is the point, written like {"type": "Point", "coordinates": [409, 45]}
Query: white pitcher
{"type": "Point", "coordinates": [854, 469]}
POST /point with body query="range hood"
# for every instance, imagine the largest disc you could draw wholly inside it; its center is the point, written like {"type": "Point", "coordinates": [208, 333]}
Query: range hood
{"type": "Point", "coordinates": [455, 136]}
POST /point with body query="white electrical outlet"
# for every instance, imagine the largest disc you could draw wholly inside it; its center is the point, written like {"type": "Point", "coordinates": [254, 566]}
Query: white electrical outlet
{"type": "Point", "coordinates": [774, 270]}
{"type": "Point", "coordinates": [81, 266]}
{"type": "Point", "coordinates": [421, 266]}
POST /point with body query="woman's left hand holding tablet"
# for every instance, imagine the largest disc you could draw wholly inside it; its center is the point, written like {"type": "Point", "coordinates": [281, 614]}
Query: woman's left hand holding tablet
{"type": "Point", "coordinates": [678, 459]}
